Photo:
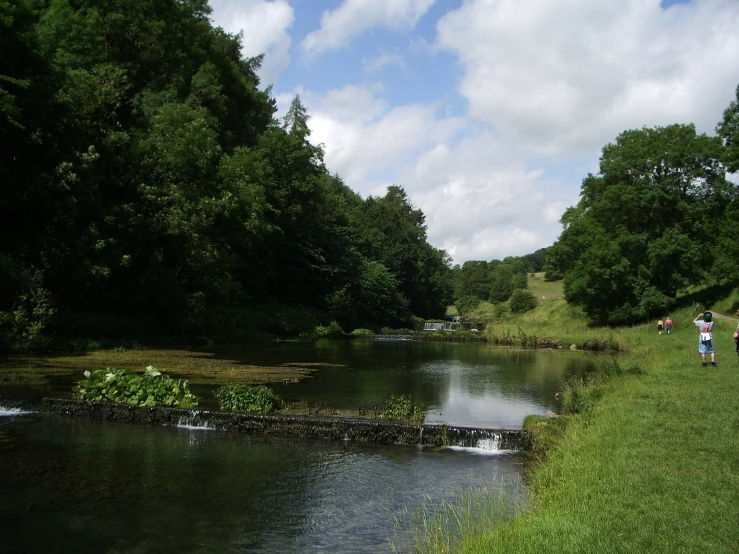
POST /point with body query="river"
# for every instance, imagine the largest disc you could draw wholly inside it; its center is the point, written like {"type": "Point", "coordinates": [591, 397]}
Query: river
{"type": "Point", "coordinates": [74, 486]}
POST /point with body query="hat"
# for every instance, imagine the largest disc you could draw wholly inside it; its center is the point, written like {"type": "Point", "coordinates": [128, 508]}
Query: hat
{"type": "Point", "coordinates": [707, 317]}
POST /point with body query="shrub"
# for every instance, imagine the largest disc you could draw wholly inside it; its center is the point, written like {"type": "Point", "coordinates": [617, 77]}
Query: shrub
{"type": "Point", "coordinates": [501, 310]}
{"type": "Point", "coordinates": [362, 332]}
{"type": "Point", "coordinates": [403, 408]}
{"type": "Point", "coordinates": [247, 399]}
{"type": "Point", "coordinates": [522, 301]}
{"type": "Point", "coordinates": [467, 304]}
{"type": "Point", "coordinates": [153, 388]}
{"type": "Point", "coordinates": [332, 331]}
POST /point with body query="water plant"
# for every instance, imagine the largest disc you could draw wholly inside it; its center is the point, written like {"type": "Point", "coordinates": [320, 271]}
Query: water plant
{"type": "Point", "coordinates": [247, 399]}
{"type": "Point", "coordinates": [403, 408]}
{"type": "Point", "coordinates": [362, 332]}
{"type": "Point", "coordinates": [331, 331]}
{"type": "Point", "coordinates": [152, 388]}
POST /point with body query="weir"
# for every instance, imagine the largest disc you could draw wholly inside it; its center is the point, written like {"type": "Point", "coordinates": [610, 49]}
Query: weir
{"type": "Point", "coordinates": [349, 429]}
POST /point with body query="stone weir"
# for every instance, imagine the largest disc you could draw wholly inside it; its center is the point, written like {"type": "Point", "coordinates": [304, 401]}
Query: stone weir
{"type": "Point", "coordinates": [359, 430]}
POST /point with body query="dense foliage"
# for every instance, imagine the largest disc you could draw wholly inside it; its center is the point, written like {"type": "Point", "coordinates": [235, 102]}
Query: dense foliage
{"type": "Point", "coordinates": [152, 388]}
{"type": "Point", "coordinates": [247, 399]}
{"type": "Point", "coordinates": [149, 190]}
{"type": "Point", "coordinates": [648, 225]}
{"type": "Point", "coordinates": [494, 281]}
{"type": "Point", "coordinates": [522, 301]}
{"type": "Point", "coordinates": [403, 408]}
{"type": "Point", "coordinates": [331, 331]}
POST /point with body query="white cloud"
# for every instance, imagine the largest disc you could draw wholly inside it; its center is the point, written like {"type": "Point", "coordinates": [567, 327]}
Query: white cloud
{"type": "Point", "coordinates": [480, 200]}
{"type": "Point", "coordinates": [265, 31]}
{"type": "Point", "coordinates": [377, 64]}
{"type": "Point", "coordinates": [566, 76]}
{"type": "Point", "coordinates": [365, 138]}
{"type": "Point", "coordinates": [354, 17]}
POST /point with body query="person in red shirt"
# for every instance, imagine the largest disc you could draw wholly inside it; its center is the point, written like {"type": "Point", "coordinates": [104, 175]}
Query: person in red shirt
{"type": "Point", "coordinates": [668, 325]}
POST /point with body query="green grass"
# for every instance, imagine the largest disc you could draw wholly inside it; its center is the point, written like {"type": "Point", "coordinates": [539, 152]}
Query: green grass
{"type": "Point", "coordinates": [651, 466]}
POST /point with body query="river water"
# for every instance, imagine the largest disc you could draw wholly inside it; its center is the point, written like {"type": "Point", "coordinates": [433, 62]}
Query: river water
{"type": "Point", "coordinates": [74, 486]}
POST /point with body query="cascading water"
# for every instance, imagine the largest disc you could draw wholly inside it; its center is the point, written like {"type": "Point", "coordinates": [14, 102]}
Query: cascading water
{"type": "Point", "coordinates": [11, 412]}
{"type": "Point", "coordinates": [193, 421]}
{"type": "Point", "coordinates": [483, 441]}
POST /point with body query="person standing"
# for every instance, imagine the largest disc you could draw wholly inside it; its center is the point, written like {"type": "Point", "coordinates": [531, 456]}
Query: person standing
{"type": "Point", "coordinates": [659, 326]}
{"type": "Point", "coordinates": [736, 335]}
{"type": "Point", "coordinates": [705, 342]}
{"type": "Point", "coordinates": [668, 325]}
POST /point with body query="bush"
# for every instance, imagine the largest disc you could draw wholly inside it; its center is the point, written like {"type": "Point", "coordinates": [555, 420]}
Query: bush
{"type": "Point", "coordinates": [248, 399]}
{"type": "Point", "coordinates": [362, 332]}
{"type": "Point", "coordinates": [153, 388]}
{"type": "Point", "coordinates": [332, 331]}
{"type": "Point", "coordinates": [501, 310]}
{"type": "Point", "coordinates": [467, 304]}
{"type": "Point", "coordinates": [403, 408]}
{"type": "Point", "coordinates": [522, 301]}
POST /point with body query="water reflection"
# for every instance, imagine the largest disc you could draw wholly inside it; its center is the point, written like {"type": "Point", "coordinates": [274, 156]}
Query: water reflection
{"type": "Point", "coordinates": [461, 384]}
{"type": "Point", "coordinates": [71, 486]}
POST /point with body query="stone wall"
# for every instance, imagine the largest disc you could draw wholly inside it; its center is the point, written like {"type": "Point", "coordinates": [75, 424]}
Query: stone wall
{"type": "Point", "coordinates": [359, 430]}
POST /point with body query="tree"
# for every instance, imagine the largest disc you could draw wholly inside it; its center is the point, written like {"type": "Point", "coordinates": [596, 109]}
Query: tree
{"type": "Point", "coordinates": [392, 231]}
{"type": "Point", "coordinates": [474, 279]}
{"type": "Point", "coordinates": [522, 301]}
{"type": "Point", "coordinates": [728, 130]}
{"type": "Point", "coordinates": [501, 286]}
{"type": "Point", "coordinates": [639, 233]}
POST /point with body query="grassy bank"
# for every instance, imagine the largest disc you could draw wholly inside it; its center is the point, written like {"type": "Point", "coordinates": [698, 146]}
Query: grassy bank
{"type": "Point", "coordinates": [652, 466]}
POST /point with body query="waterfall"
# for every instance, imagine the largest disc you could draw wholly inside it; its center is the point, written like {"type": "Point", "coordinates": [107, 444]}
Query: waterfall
{"type": "Point", "coordinates": [193, 420]}
{"type": "Point", "coordinates": [11, 412]}
{"type": "Point", "coordinates": [482, 441]}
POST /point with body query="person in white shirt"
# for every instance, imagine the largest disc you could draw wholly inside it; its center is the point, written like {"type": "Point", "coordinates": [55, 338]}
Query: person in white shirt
{"type": "Point", "coordinates": [705, 342]}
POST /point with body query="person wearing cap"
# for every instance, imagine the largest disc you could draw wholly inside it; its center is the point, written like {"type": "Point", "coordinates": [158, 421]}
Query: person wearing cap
{"type": "Point", "coordinates": [705, 342]}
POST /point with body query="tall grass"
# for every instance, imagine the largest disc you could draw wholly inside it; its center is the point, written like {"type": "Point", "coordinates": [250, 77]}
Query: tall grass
{"type": "Point", "coordinates": [443, 527]}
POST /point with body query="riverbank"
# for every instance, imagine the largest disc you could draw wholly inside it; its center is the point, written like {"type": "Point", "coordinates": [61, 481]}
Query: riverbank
{"type": "Point", "coordinates": [652, 466]}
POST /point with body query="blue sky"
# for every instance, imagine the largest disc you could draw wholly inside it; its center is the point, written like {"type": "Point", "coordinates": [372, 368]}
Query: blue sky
{"type": "Point", "coordinates": [489, 112]}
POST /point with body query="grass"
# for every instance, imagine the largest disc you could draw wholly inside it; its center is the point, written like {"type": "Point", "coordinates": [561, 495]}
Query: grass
{"type": "Point", "coordinates": [651, 466]}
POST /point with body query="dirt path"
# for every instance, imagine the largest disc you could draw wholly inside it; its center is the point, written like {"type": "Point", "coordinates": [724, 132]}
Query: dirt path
{"type": "Point", "coordinates": [722, 316]}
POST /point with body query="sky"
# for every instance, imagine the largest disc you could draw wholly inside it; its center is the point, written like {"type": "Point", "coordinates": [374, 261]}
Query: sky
{"type": "Point", "coordinates": [489, 113]}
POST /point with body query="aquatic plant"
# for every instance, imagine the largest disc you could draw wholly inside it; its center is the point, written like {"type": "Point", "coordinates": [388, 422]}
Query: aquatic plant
{"type": "Point", "coordinates": [247, 399]}
{"type": "Point", "coordinates": [362, 332]}
{"type": "Point", "coordinates": [152, 388]}
{"type": "Point", "coordinates": [332, 331]}
{"type": "Point", "coordinates": [403, 408]}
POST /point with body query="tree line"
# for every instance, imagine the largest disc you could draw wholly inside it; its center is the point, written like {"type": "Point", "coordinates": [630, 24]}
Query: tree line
{"type": "Point", "coordinates": [149, 190]}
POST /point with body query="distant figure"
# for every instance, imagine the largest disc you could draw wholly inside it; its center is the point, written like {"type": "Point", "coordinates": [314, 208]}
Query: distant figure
{"type": "Point", "coordinates": [668, 325]}
{"type": "Point", "coordinates": [705, 342]}
{"type": "Point", "coordinates": [659, 326]}
{"type": "Point", "coordinates": [736, 335]}
{"type": "Point", "coordinates": [544, 297]}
